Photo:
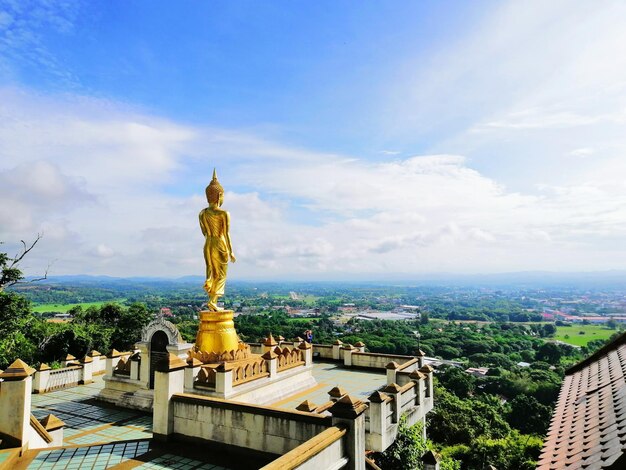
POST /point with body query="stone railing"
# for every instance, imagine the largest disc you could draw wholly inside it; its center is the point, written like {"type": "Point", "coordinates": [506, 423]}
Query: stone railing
{"type": "Point", "coordinates": [123, 367]}
{"type": "Point", "coordinates": [74, 373]}
{"type": "Point", "coordinates": [288, 358]}
{"type": "Point", "coordinates": [412, 397]}
{"type": "Point", "coordinates": [277, 368]}
{"type": "Point", "coordinates": [323, 351]}
{"type": "Point", "coordinates": [253, 370]}
{"type": "Point", "coordinates": [61, 378]}
{"type": "Point", "coordinates": [120, 364]}
{"type": "Point", "coordinates": [376, 360]}
{"type": "Point", "coordinates": [205, 378]}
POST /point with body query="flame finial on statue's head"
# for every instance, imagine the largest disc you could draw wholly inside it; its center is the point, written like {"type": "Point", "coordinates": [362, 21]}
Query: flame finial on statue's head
{"type": "Point", "coordinates": [214, 190]}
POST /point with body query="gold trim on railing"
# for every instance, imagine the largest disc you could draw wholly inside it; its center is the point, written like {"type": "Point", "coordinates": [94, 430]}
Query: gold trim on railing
{"type": "Point", "coordinates": [308, 449]}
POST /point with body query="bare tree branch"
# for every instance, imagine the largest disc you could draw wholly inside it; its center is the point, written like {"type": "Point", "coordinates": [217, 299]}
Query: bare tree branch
{"type": "Point", "coordinates": [18, 257]}
{"type": "Point", "coordinates": [11, 274]}
{"type": "Point", "coordinates": [42, 278]}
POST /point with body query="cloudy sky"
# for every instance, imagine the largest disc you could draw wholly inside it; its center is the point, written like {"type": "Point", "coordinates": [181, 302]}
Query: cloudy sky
{"type": "Point", "coordinates": [353, 140]}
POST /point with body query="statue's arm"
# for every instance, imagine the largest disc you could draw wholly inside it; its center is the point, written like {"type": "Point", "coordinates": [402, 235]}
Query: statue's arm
{"type": "Point", "coordinates": [201, 223]}
{"type": "Point", "coordinates": [228, 242]}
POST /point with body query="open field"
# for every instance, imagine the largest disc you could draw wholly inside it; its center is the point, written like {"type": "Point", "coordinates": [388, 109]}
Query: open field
{"type": "Point", "coordinates": [590, 332]}
{"type": "Point", "coordinates": [63, 308]}
{"type": "Point", "coordinates": [303, 320]}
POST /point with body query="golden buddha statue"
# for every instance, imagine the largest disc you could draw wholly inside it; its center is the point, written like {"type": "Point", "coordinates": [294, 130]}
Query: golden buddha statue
{"type": "Point", "coordinates": [217, 339]}
{"type": "Point", "coordinates": [218, 250]}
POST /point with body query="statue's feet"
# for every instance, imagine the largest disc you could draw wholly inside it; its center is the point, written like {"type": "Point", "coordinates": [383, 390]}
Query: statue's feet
{"type": "Point", "coordinates": [213, 306]}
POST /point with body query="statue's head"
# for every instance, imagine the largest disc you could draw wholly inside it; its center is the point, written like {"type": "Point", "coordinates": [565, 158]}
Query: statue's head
{"type": "Point", "coordinates": [215, 191]}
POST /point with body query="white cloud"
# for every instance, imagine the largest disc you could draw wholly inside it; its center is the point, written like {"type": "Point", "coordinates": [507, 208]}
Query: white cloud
{"type": "Point", "coordinates": [583, 152]}
{"type": "Point", "coordinates": [104, 251]}
{"type": "Point", "coordinates": [117, 191]}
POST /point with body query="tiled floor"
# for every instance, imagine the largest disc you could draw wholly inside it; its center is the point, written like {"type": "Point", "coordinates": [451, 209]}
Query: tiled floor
{"type": "Point", "coordinates": [4, 456]}
{"type": "Point", "coordinates": [358, 383]}
{"type": "Point", "coordinates": [89, 422]}
{"type": "Point", "coordinates": [136, 455]}
{"type": "Point", "coordinates": [97, 436]}
{"type": "Point", "coordinates": [94, 457]}
{"type": "Point", "coordinates": [174, 461]}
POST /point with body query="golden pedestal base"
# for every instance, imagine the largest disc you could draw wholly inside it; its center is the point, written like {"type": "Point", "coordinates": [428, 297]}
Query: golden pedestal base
{"type": "Point", "coordinates": [216, 333]}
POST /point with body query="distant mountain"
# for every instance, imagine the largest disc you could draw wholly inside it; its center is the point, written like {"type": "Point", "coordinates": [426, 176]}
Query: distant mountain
{"type": "Point", "coordinates": [530, 279]}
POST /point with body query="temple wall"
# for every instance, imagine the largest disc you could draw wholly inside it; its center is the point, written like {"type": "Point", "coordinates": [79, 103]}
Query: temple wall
{"type": "Point", "coordinates": [259, 428]}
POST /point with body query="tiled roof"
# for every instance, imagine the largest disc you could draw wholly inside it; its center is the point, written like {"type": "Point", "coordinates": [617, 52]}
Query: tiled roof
{"type": "Point", "coordinates": [588, 429]}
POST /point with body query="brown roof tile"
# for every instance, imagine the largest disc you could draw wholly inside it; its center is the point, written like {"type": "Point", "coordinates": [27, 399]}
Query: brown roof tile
{"type": "Point", "coordinates": [588, 427]}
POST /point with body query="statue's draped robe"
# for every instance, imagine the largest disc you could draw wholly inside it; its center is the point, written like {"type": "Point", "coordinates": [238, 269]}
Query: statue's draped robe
{"type": "Point", "coordinates": [213, 224]}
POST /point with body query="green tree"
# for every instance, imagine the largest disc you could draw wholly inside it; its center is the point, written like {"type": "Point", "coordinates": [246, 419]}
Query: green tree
{"type": "Point", "coordinates": [131, 322]}
{"type": "Point", "coordinates": [406, 451]}
{"type": "Point", "coordinates": [528, 415]}
{"type": "Point", "coordinates": [512, 452]}
{"type": "Point", "coordinates": [16, 316]}
{"type": "Point", "coordinates": [457, 421]}
{"type": "Point", "coordinates": [457, 381]}
{"type": "Point", "coordinates": [549, 329]}
{"type": "Point", "coordinates": [550, 352]}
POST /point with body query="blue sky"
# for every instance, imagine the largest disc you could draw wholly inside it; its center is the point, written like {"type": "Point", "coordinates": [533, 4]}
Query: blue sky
{"type": "Point", "coordinates": [353, 139]}
{"type": "Point", "coordinates": [315, 73]}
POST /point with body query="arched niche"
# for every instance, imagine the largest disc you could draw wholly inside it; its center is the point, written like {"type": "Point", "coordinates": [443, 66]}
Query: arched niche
{"type": "Point", "coordinates": [158, 351]}
{"type": "Point", "coordinates": [158, 335]}
{"type": "Point", "coordinates": [173, 335]}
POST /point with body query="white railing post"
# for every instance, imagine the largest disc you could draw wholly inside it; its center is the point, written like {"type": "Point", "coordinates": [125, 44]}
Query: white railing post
{"type": "Point", "coordinates": [350, 412]}
{"type": "Point", "coordinates": [41, 378]}
{"type": "Point", "coordinates": [191, 372]}
{"type": "Point", "coordinates": [347, 355]}
{"type": "Point", "coordinates": [87, 371]}
{"type": "Point", "coordinates": [271, 358]}
{"type": "Point", "coordinates": [15, 401]}
{"type": "Point", "coordinates": [392, 369]}
{"type": "Point", "coordinates": [378, 413]}
{"type": "Point", "coordinates": [337, 349]}
{"type": "Point", "coordinates": [223, 379]}
{"type": "Point", "coordinates": [135, 366]}
{"type": "Point", "coordinates": [307, 353]}
{"type": "Point", "coordinates": [169, 379]}
{"type": "Point", "coordinates": [393, 390]}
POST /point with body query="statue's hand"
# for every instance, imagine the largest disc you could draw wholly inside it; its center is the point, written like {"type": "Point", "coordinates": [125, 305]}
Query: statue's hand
{"type": "Point", "coordinates": [232, 258]}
